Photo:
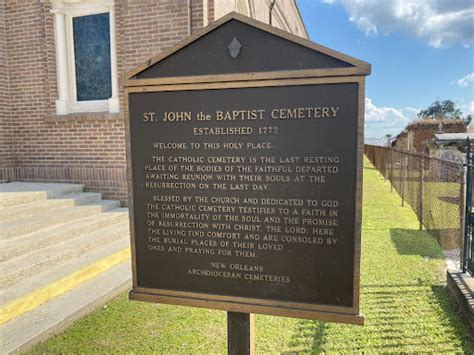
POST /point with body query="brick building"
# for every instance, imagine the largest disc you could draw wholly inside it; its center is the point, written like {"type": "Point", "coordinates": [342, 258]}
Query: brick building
{"type": "Point", "coordinates": [61, 67]}
{"type": "Point", "coordinates": [417, 136]}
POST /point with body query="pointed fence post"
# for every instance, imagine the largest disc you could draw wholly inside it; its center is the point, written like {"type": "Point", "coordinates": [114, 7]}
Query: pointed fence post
{"type": "Point", "coordinates": [422, 191]}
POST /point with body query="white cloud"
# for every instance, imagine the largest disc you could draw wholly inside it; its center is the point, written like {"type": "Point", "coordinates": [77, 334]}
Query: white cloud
{"type": "Point", "coordinates": [468, 109]}
{"type": "Point", "coordinates": [388, 114]}
{"type": "Point", "coordinates": [380, 121]}
{"type": "Point", "coordinates": [441, 23]}
{"type": "Point", "coordinates": [464, 81]}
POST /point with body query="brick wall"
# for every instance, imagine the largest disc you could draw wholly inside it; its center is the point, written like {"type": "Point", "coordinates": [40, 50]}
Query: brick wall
{"type": "Point", "coordinates": [422, 132]}
{"type": "Point", "coordinates": [87, 148]}
{"type": "Point", "coordinates": [150, 26]}
{"type": "Point", "coordinates": [210, 11]}
{"type": "Point", "coordinates": [6, 140]}
{"type": "Point", "coordinates": [197, 16]}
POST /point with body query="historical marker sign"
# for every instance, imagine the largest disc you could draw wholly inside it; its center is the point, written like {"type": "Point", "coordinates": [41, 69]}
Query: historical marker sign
{"type": "Point", "coordinates": [245, 153]}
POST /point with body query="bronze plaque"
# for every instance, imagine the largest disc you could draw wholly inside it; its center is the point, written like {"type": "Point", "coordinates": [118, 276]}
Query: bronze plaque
{"type": "Point", "coordinates": [247, 192]}
{"type": "Point", "coordinates": [246, 195]}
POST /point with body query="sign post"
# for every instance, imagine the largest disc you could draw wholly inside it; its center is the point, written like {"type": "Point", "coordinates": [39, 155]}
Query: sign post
{"type": "Point", "coordinates": [240, 333]}
{"type": "Point", "coordinates": [244, 151]}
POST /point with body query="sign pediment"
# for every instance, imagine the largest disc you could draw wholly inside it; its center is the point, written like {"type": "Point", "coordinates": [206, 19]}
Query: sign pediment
{"type": "Point", "coordinates": [239, 46]}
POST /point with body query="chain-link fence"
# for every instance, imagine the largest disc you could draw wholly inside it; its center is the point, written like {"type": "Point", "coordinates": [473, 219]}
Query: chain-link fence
{"type": "Point", "coordinates": [432, 187]}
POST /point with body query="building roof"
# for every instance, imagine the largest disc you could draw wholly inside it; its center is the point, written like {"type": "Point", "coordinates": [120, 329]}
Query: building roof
{"type": "Point", "coordinates": [443, 138]}
{"type": "Point", "coordinates": [435, 122]}
{"type": "Point", "coordinates": [430, 122]}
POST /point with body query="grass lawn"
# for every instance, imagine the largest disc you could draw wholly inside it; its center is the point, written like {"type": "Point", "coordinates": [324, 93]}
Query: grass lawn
{"type": "Point", "coordinates": [403, 298]}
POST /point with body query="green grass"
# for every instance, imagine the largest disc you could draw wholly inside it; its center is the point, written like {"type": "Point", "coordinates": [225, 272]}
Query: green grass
{"type": "Point", "coordinates": [403, 298]}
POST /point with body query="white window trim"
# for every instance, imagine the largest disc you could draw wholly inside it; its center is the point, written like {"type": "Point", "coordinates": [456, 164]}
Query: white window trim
{"type": "Point", "coordinates": [64, 11]}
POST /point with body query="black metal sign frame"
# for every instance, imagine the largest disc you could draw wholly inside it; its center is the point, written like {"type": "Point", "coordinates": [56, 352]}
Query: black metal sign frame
{"type": "Point", "coordinates": [330, 84]}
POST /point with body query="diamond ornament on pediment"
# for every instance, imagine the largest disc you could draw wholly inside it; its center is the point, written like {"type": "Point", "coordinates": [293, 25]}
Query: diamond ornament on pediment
{"type": "Point", "coordinates": [234, 48]}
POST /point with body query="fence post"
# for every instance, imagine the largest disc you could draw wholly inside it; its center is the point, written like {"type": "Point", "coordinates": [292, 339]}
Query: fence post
{"type": "Point", "coordinates": [403, 177]}
{"type": "Point", "coordinates": [391, 170]}
{"type": "Point", "coordinates": [463, 214]}
{"type": "Point", "coordinates": [465, 208]}
{"type": "Point", "coordinates": [422, 191]}
{"type": "Point", "coordinates": [408, 191]}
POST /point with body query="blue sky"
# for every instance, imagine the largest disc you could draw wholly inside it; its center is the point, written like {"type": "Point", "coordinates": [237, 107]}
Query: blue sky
{"type": "Point", "coordinates": [420, 51]}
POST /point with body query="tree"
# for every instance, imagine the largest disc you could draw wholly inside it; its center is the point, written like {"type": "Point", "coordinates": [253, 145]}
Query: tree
{"type": "Point", "coordinates": [444, 109]}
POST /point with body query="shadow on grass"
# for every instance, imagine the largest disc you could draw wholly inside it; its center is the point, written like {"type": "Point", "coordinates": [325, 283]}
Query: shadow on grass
{"type": "Point", "coordinates": [310, 336]}
{"type": "Point", "coordinates": [448, 238]}
{"type": "Point", "coordinates": [400, 318]}
{"type": "Point", "coordinates": [414, 242]}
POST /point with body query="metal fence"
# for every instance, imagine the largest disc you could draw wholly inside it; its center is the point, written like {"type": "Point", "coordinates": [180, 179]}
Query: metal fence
{"type": "Point", "coordinates": [433, 188]}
